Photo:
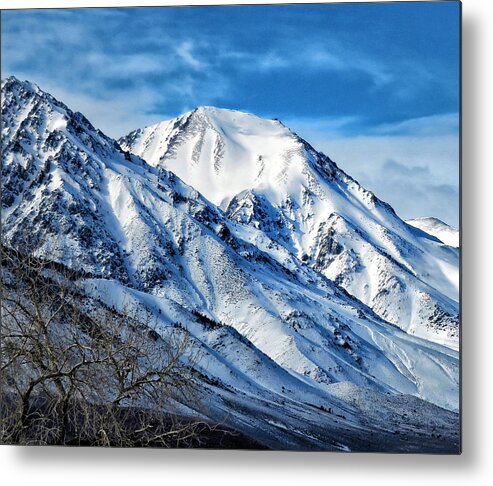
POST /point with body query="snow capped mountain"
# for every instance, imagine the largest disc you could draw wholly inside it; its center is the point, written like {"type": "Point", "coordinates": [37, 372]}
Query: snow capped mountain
{"type": "Point", "coordinates": [286, 355]}
{"type": "Point", "coordinates": [263, 175]}
{"type": "Point", "coordinates": [437, 228]}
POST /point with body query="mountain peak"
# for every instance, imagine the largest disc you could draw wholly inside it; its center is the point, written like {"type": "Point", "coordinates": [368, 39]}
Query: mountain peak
{"type": "Point", "coordinates": [431, 220]}
{"type": "Point", "coordinates": [12, 80]}
{"type": "Point", "coordinates": [13, 83]}
{"type": "Point", "coordinates": [227, 118]}
{"type": "Point", "coordinates": [216, 110]}
{"type": "Point", "coordinates": [212, 109]}
{"type": "Point", "coordinates": [220, 142]}
{"type": "Point", "coordinates": [264, 175]}
{"type": "Point", "coordinates": [25, 105]}
{"type": "Point", "coordinates": [27, 94]}
{"type": "Point", "coordinates": [437, 228]}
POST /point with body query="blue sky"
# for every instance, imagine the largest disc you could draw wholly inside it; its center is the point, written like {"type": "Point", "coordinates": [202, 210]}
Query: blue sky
{"type": "Point", "coordinates": [375, 86]}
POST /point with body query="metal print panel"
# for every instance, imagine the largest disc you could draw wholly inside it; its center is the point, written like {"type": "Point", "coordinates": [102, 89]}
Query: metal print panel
{"type": "Point", "coordinates": [232, 227]}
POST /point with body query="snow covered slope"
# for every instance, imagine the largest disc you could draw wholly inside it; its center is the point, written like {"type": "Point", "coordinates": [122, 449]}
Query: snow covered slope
{"type": "Point", "coordinates": [265, 176]}
{"type": "Point", "coordinates": [435, 227]}
{"type": "Point", "coordinates": [275, 334]}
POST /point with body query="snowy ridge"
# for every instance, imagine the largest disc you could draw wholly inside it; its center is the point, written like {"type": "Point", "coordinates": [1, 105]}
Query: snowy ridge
{"type": "Point", "coordinates": [264, 175]}
{"type": "Point", "coordinates": [276, 334]}
{"type": "Point", "coordinates": [435, 227]}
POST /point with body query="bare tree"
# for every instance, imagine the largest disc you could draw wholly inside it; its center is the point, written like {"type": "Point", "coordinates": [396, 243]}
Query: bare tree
{"type": "Point", "coordinates": [75, 371]}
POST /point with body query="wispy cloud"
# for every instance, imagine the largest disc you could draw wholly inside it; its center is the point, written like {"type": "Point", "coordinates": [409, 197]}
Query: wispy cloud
{"type": "Point", "coordinates": [185, 51]}
{"type": "Point", "coordinates": [314, 57]}
{"type": "Point", "coordinates": [425, 126]}
{"type": "Point", "coordinates": [414, 190]}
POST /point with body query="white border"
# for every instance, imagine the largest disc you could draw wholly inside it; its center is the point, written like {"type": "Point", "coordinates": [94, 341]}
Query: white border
{"type": "Point", "coordinates": [62, 466]}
